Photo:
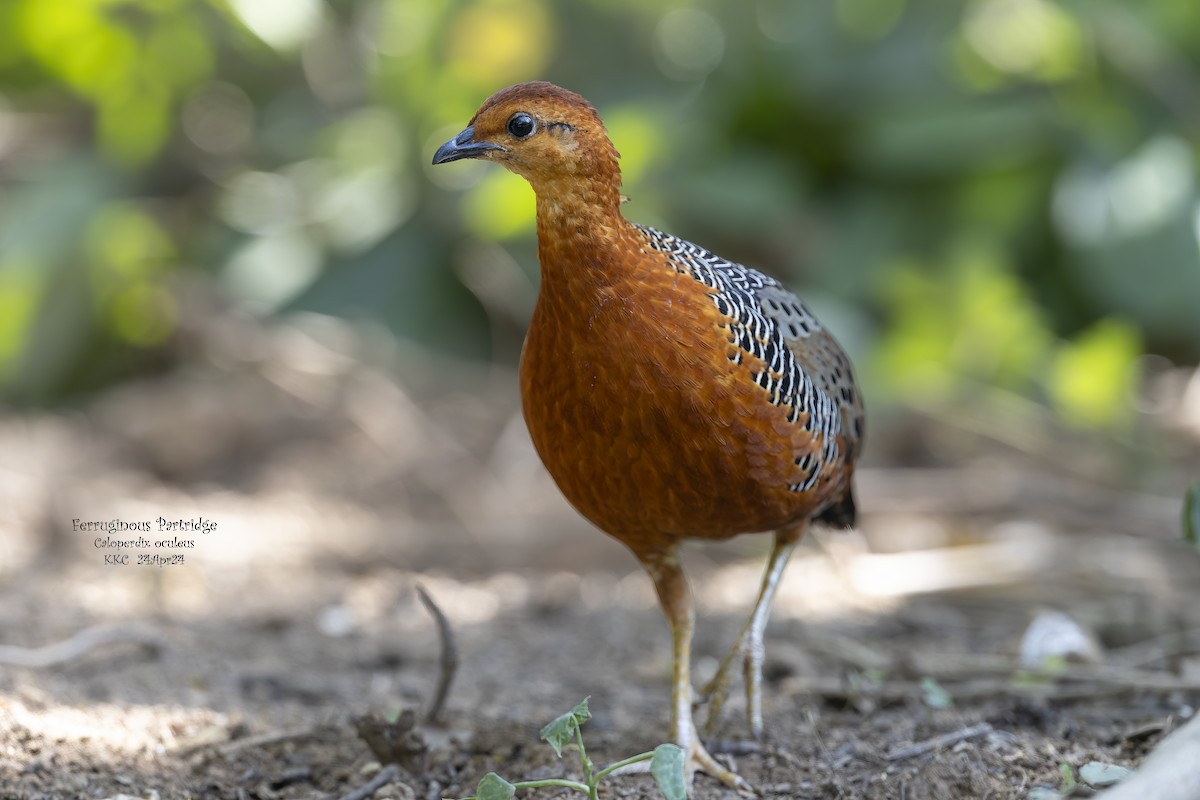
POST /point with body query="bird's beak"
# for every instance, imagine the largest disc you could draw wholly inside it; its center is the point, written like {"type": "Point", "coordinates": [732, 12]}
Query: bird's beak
{"type": "Point", "coordinates": [463, 146]}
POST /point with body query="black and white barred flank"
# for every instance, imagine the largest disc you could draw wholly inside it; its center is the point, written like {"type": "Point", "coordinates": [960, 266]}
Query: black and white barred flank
{"type": "Point", "coordinates": [763, 317]}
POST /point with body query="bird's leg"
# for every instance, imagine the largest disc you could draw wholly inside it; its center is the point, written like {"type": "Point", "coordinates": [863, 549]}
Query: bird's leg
{"type": "Point", "coordinates": [673, 594]}
{"type": "Point", "coordinates": [749, 644]}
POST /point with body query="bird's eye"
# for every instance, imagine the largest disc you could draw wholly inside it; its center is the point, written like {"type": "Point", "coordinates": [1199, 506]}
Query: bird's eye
{"type": "Point", "coordinates": [521, 125]}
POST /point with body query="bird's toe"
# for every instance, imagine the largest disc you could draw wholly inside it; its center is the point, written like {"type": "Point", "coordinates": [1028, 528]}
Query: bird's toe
{"type": "Point", "coordinates": [700, 760]}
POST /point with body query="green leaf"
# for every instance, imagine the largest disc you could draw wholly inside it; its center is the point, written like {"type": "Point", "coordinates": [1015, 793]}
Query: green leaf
{"type": "Point", "coordinates": [493, 787]}
{"type": "Point", "coordinates": [559, 731]}
{"type": "Point", "coordinates": [1068, 779]}
{"type": "Point", "coordinates": [1097, 773]}
{"type": "Point", "coordinates": [1191, 515]}
{"type": "Point", "coordinates": [667, 768]}
{"type": "Point", "coordinates": [934, 695]}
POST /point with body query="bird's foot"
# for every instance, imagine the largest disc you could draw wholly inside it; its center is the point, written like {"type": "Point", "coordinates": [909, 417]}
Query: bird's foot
{"type": "Point", "coordinates": [700, 760]}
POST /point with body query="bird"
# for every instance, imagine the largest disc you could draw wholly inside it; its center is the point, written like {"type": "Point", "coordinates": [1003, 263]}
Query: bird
{"type": "Point", "coordinates": [671, 394]}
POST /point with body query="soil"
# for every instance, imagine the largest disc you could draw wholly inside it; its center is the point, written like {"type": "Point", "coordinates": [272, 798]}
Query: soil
{"type": "Point", "coordinates": [336, 486]}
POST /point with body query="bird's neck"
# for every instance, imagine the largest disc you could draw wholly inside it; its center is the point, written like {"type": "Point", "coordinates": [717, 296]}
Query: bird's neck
{"type": "Point", "coordinates": [580, 233]}
{"type": "Point", "coordinates": [567, 202]}
{"type": "Point", "coordinates": [580, 247]}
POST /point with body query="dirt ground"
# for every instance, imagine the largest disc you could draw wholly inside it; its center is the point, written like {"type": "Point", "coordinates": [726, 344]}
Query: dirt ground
{"type": "Point", "coordinates": [236, 667]}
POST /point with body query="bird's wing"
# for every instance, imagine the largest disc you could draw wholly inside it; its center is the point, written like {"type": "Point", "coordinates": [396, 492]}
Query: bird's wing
{"type": "Point", "coordinates": [820, 356]}
{"type": "Point", "coordinates": [804, 367]}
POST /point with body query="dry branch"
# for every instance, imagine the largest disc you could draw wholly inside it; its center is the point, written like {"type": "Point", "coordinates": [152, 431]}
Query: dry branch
{"type": "Point", "coordinates": [937, 742]}
{"type": "Point", "coordinates": [266, 739]}
{"type": "Point", "coordinates": [448, 665]}
{"type": "Point", "coordinates": [981, 675]}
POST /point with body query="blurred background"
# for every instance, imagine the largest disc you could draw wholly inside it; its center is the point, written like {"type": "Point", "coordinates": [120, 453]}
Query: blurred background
{"type": "Point", "coordinates": [233, 287]}
{"type": "Point", "coordinates": [232, 283]}
{"type": "Point", "coordinates": [997, 197]}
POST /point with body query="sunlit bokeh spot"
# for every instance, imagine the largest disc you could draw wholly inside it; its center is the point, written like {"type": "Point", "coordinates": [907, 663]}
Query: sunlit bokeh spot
{"type": "Point", "coordinates": [219, 118]}
{"type": "Point", "coordinates": [1145, 191]}
{"type": "Point", "coordinates": [271, 270]}
{"type": "Point", "coordinates": [1029, 38]}
{"type": "Point", "coordinates": [359, 208]}
{"type": "Point", "coordinates": [1152, 185]}
{"type": "Point", "coordinates": [282, 24]}
{"type": "Point", "coordinates": [689, 43]}
{"type": "Point", "coordinates": [497, 42]}
{"type": "Point", "coordinates": [259, 202]}
{"type": "Point", "coordinates": [79, 42]}
{"type": "Point", "coordinates": [1093, 377]}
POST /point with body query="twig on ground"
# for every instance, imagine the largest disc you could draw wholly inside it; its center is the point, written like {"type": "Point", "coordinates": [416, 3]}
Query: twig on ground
{"type": "Point", "coordinates": [448, 665]}
{"type": "Point", "coordinates": [937, 742]}
{"type": "Point", "coordinates": [265, 739]}
{"type": "Point", "coordinates": [381, 779]}
{"type": "Point", "coordinates": [293, 775]}
{"type": "Point", "coordinates": [984, 675]}
{"type": "Point", "coordinates": [1077, 682]}
{"type": "Point", "coordinates": [1165, 645]}
{"type": "Point", "coordinates": [963, 665]}
{"type": "Point", "coordinates": [82, 643]}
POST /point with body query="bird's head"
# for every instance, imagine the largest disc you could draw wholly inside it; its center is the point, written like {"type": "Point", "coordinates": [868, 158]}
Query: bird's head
{"type": "Point", "coordinates": [548, 135]}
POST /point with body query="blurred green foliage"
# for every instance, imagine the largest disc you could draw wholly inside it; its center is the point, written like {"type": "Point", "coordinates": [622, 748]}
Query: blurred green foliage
{"type": "Point", "coordinates": [998, 191]}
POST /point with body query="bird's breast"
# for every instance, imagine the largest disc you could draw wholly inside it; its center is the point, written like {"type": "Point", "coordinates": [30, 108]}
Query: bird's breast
{"type": "Point", "coordinates": [645, 423]}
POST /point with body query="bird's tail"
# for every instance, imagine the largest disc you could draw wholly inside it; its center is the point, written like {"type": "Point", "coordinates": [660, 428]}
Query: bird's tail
{"type": "Point", "coordinates": [842, 514]}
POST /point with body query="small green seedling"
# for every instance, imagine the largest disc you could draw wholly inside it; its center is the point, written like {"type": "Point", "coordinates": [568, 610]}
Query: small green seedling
{"type": "Point", "coordinates": [666, 764]}
{"type": "Point", "coordinates": [1067, 786]}
{"type": "Point", "coordinates": [934, 695]}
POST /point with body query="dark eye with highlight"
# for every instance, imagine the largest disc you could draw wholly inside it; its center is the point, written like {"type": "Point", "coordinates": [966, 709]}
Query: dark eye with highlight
{"type": "Point", "coordinates": [521, 125]}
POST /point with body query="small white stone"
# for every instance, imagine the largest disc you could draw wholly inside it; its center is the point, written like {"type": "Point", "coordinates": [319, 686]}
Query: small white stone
{"type": "Point", "coordinates": [1053, 634]}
